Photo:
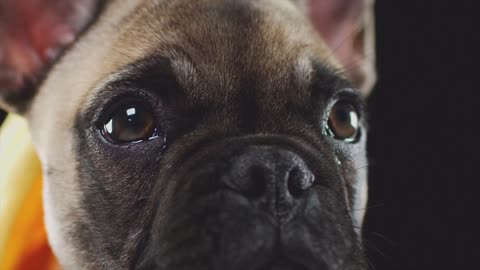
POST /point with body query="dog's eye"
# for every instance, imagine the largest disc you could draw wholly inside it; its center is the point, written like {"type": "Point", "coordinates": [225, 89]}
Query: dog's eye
{"type": "Point", "coordinates": [343, 123]}
{"type": "Point", "coordinates": [130, 124]}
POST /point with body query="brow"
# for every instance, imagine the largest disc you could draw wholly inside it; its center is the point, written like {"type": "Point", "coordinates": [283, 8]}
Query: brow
{"type": "Point", "coordinates": [328, 81]}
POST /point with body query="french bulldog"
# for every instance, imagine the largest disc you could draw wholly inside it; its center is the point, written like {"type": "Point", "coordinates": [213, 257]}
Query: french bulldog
{"type": "Point", "coordinates": [206, 134]}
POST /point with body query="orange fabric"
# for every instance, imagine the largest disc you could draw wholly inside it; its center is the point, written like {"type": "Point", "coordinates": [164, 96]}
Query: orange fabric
{"type": "Point", "coordinates": [27, 248]}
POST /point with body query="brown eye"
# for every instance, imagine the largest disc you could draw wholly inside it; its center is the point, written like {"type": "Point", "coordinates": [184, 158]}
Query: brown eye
{"type": "Point", "coordinates": [343, 122]}
{"type": "Point", "coordinates": [130, 124]}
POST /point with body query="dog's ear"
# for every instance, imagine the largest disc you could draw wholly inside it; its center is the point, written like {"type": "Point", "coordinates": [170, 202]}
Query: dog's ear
{"type": "Point", "coordinates": [33, 34]}
{"type": "Point", "coordinates": [348, 28]}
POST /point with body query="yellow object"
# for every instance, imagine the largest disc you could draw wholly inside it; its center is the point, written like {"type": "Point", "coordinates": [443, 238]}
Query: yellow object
{"type": "Point", "coordinates": [23, 241]}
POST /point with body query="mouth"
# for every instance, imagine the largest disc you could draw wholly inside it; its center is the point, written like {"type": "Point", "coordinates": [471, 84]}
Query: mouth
{"type": "Point", "coordinates": [245, 241]}
{"type": "Point", "coordinates": [267, 210]}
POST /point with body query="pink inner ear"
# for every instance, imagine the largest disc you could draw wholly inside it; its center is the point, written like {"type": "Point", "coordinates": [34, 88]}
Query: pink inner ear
{"type": "Point", "coordinates": [339, 23]}
{"type": "Point", "coordinates": [33, 32]}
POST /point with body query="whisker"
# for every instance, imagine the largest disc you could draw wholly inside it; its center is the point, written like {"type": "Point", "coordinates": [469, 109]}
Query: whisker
{"type": "Point", "coordinates": [368, 207]}
{"type": "Point", "coordinates": [353, 64]}
{"type": "Point", "coordinates": [386, 239]}
{"type": "Point", "coordinates": [337, 46]}
{"type": "Point", "coordinates": [371, 246]}
{"type": "Point", "coordinates": [369, 263]}
{"type": "Point", "coordinates": [123, 53]}
{"type": "Point", "coordinates": [355, 30]}
{"type": "Point", "coordinates": [362, 167]}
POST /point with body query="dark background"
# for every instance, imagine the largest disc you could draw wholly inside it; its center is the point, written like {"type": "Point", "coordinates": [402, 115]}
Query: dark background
{"type": "Point", "coordinates": [423, 141]}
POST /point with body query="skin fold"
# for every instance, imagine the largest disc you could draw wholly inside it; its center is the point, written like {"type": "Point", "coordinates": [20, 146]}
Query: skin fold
{"type": "Point", "coordinates": [243, 168]}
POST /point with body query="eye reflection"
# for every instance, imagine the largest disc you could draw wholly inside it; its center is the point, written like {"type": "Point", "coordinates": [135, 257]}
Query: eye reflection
{"type": "Point", "coordinates": [130, 124]}
{"type": "Point", "coordinates": [131, 111]}
{"type": "Point", "coordinates": [343, 122]}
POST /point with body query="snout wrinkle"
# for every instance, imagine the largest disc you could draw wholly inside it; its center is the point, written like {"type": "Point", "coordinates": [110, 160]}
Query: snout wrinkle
{"type": "Point", "coordinates": [249, 205]}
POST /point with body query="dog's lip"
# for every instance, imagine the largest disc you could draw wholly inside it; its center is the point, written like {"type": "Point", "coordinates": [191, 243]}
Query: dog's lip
{"type": "Point", "coordinates": [278, 255]}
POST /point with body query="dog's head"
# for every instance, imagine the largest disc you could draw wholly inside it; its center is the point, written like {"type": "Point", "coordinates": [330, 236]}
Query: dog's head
{"type": "Point", "coordinates": [212, 134]}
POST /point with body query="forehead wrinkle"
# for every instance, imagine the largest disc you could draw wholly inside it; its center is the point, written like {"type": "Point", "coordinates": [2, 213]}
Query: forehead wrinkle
{"type": "Point", "coordinates": [304, 72]}
{"type": "Point", "coordinates": [248, 42]}
{"type": "Point", "coordinates": [220, 44]}
{"type": "Point", "coordinates": [185, 72]}
{"type": "Point", "coordinates": [138, 72]}
{"type": "Point", "coordinates": [227, 44]}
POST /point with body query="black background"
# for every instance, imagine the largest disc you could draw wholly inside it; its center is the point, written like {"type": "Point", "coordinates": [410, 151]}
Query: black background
{"type": "Point", "coordinates": [423, 137]}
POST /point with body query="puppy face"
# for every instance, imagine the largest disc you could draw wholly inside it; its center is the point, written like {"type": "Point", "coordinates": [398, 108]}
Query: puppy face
{"type": "Point", "coordinates": [202, 135]}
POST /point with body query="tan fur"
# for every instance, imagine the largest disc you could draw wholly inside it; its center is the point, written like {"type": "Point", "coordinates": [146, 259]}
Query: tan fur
{"type": "Point", "coordinates": [117, 40]}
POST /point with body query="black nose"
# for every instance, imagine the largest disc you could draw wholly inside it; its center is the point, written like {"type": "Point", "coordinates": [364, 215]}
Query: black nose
{"type": "Point", "coordinates": [272, 177]}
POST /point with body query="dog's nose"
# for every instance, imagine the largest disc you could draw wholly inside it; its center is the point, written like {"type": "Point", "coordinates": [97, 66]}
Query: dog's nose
{"type": "Point", "coordinates": [272, 176]}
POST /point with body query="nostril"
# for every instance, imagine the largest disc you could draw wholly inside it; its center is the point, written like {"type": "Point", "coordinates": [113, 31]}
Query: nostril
{"type": "Point", "coordinates": [258, 182]}
{"type": "Point", "coordinates": [299, 181]}
{"type": "Point", "coordinates": [268, 174]}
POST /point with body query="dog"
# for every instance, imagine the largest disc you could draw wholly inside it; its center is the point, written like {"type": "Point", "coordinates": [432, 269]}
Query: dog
{"type": "Point", "coordinates": [209, 134]}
